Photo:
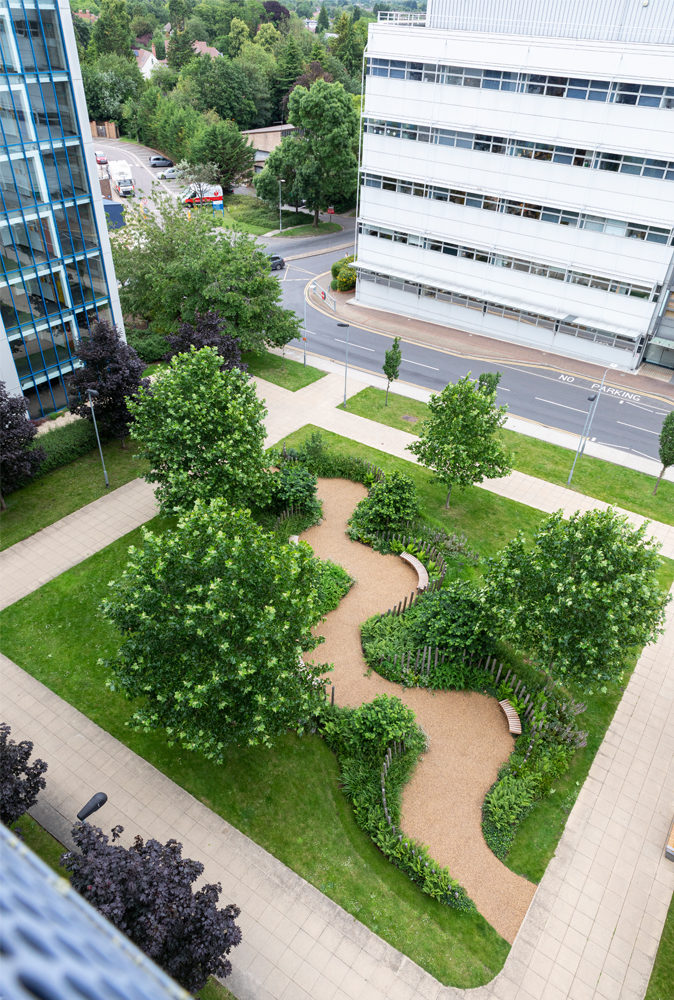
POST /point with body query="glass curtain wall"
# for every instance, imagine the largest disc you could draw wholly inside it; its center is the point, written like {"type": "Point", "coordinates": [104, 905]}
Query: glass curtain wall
{"type": "Point", "coordinates": [52, 279]}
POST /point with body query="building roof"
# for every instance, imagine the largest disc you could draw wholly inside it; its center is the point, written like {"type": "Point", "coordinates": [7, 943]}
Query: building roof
{"type": "Point", "coordinates": [86, 15]}
{"type": "Point", "coordinates": [204, 49]}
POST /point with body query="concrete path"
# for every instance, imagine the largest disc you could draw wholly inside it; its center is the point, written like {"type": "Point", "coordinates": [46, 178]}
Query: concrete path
{"type": "Point", "coordinates": [594, 925]}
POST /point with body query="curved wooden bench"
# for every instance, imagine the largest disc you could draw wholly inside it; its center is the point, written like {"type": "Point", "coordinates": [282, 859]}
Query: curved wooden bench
{"type": "Point", "coordinates": [422, 573]}
{"type": "Point", "coordinates": [514, 724]}
{"type": "Point", "coordinates": [669, 848]}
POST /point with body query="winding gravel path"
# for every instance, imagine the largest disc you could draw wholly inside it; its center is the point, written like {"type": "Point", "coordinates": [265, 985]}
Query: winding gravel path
{"type": "Point", "coordinates": [468, 735]}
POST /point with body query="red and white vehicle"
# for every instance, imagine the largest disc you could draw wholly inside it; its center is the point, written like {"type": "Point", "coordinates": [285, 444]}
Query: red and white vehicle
{"type": "Point", "coordinates": [200, 194]}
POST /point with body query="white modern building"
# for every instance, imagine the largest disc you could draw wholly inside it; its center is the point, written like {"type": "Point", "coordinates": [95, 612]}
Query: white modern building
{"type": "Point", "coordinates": [517, 173]}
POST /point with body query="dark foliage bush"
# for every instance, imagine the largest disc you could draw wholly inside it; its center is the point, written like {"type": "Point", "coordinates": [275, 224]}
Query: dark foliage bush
{"type": "Point", "coordinates": [20, 782]}
{"type": "Point", "coordinates": [20, 458]}
{"type": "Point", "coordinates": [208, 330]}
{"type": "Point", "coordinates": [146, 891]}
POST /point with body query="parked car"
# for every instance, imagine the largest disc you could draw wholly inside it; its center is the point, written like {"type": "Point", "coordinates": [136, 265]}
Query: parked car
{"type": "Point", "coordinates": [277, 263]}
{"type": "Point", "coordinates": [101, 157]}
{"type": "Point", "coordinates": [169, 174]}
{"type": "Point", "coordinates": [160, 161]}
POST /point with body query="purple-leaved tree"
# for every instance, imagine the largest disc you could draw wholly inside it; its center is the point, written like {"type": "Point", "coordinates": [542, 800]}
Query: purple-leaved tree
{"type": "Point", "coordinates": [146, 891]}
{"type": "Point", "coordinates": [113, 369]}
{"type": "Point", "coordinates": [18, 459]}
{"type": "Point", "coordinates": [20, 782]}
{"type": "Point", "coordinates": [208, 330]}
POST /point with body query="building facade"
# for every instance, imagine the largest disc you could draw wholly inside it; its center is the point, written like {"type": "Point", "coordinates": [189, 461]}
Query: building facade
{"type": "Point", "coordinates": [517, 173]}
{"type": "Point", "coordinates": [57, 273]}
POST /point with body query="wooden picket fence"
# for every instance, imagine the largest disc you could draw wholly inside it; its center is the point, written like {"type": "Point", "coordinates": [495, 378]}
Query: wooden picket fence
{"type": "Point", "coordinates": [431, 553]}
{"type": "Point", "coordinates": [396, 749]}
{"type": "Point", "coordinates": [285, 515]}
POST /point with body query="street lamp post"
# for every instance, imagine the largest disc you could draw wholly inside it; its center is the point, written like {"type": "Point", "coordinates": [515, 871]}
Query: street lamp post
{"type": "Point", "coordinates": [93, 395]}
{"type": "Point", "coordinates": [281, 181]}
{"type": "Point", "coordinates": [346, 362]}
{"type": "Point", "coordinates": [304, 338]}
{"type": "Point", "coordinates": [94, 803]}
{"type": "Point", "coordinates": [584, 437]}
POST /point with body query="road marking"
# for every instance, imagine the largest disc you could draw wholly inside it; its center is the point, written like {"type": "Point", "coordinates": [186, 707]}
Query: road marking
{"type": "Point", "coordinates": [350, 343]}
{"type": "Point", "coordinates": [634, 427]}
{"type": "Point", "coordinates": [420, 365]}
{"type": "Point", "coordinates": [563, 405]}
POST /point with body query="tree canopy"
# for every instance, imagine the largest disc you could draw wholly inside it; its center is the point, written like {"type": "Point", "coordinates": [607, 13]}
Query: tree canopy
{"type": "Point", "coordinates": [146, 891]}
{"type": "Point", "coordinates": [459, 439]}
{"type": "Point", "coordinates": [214, 616]}
{"type": "Point", "coordinates": [666, 447]}
{"type": "Point", "coordinates": [171, 266]}
{"type": "Point", "coordinates": [223, 145]}
{"type": "Point", "coordinates": [19, 459]}
{"type": "Point", "coordinates": [201, 430]}
{"type": "Point", "coordinates": [391, 366]}
{"type": "Point", "coordinates": [581, 595]}
{"type": "Point", "coordinates": [112, 31]}
{"type": "Point", "coordinates": [20, 781]}
{"type": "Point", "coordinates": [208, 330]}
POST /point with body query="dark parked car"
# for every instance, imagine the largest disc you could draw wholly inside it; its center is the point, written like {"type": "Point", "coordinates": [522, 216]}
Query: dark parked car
{"type": "Point", "coordinates": [160, 161]}
{"type": "Point", "coordinates": [277, 263]}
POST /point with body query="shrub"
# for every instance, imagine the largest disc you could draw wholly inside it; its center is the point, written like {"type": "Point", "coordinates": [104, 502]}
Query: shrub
{"type": "Point", "coordinates": [334, 285]}
{"type": "Point", "coordinates": [346, 279]}
{"type": "Point", "coordinates": [455, 619]}
{"type": "Point", "coordinates": [294, 486]}
{"type": "Point", "coordinates": [20, 782]}
{"type": "Point", "coordinates": [391, 503]}
{"type": "Point", "coordinates": [149, 346]}
{"type": "Point", "coordinates": [333, 584]}
{"type": "Point", "coordinates": [63, 445]}
{"type": "Point", "coordinates": [339, 264]}
{"type": "Point", "coordinates": [367, 731]}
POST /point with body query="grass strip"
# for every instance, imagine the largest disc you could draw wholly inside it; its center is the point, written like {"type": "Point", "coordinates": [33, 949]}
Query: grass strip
{"type": "Point", "coordinates": [661, 983]}
{"type": "Point", "coordinates": [249, 214]}
{"type": "Point", "coordinates": [292, 375]}
{"type": "Point", "coordinates": [65, 490]}
{"type": "Point", "coordinates": [309, 230]}
{"type": "Point", "coordinates": [288, 800]}
{"type": "Point", "coordinates": [593, 477]}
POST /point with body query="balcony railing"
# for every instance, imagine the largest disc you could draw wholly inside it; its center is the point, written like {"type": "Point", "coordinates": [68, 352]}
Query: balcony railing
{"type": "Point", "coordinates": [400, 17]}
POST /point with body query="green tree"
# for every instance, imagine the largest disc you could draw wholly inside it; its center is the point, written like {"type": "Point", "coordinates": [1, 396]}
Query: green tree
{"type": "Point", "coordinates": [223, 145]}
{"type": "Point", "coordinates": [267, 37]}
{"type": "Point", "coordinates": [459, 440]}
{"type": "Point", "coordinates": [109, 81]}
{"type": "Point", "coordinates": [238, 35]}
{"type": "Point", "coordinates": [219, 85]}
{"type": "Point", "coordinates": [214, 616]}
{"type": "Point", "coordinates": [582, 595]}
{"type": "Point", "coordinates": [323, 23]}
{"type": "Point", "coordinates": [201, 176]}
{"type": "Point", "coordinates": [320, 156]}
{"type": "Point", "coordinates": [289, 66]}
{"type": "Point", "coordinates": [112, 31]}
{"type": "Point", "coordinates": [347, 46]}
{"type": "Point", "coordinates": [391, 366]}
{"type": "Point", "coordinates": [666, 447]}
{"type": "Point", "coordinates": [202, 431]}
{"type": "Point", "coordinates": [170, 267]}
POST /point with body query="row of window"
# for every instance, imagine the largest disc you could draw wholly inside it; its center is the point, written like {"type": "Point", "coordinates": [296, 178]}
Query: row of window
{"type": "Point", "coordinates": [37, 109]}
{"type": "Point", "coordinates": [576, 88]}
{"type": "Point", "coordinates": [544, 213]}
{"type": "Point", "coordinates": [42, 176]}
{"type": "Point", "coordinates": [52, 292]}
{"type": "Point", "coordinates": [35, 41]}
{"type": "Point", "coordinates": [485, 307]}
{"type": "Point", "coordinates": [513, 263]}
{"type": "Point", "coordinates": [645, 166]}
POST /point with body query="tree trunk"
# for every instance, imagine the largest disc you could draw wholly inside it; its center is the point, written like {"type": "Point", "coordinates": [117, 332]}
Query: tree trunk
{"type": "Point", "coordinates": [447, 500]}
{"type": "Point", "coordinates": [3, 505]}
{"type": "Point", "coordinates": [386, 400]}
{"type": "Point", "coordinates": [657, 481]}
{"type": "Point", "coordinates": [316, 218]}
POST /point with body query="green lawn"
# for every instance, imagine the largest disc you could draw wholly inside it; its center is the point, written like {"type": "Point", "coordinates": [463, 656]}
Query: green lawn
{"type": "Point", "coordinates": [592, 476]}
{"type": "Point", "coordinates": [289, 800]}
{"type": "Point", "coordinates": [291, 375]}
{"type": "Point", "coordinates": [65, 490]}
{"type": "Point", "coordinates": [661, 985]}
{"type": "Point", "coordinates": [309, 230]}
{"type": "Point", "coordinates": [248, 213]}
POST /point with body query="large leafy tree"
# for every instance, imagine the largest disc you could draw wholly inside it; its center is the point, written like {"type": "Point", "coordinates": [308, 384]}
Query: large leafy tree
{"type": "Point", "coordinates": [223, 145]}
{"type": "Point", "coordinates": [110, 81]}
{"type": "Point", "coordinates": [113, 369]}
{"type": "Point", "coordinates": [323, 22]}
{"type": "Point", "coordinates": [214, 616]}
{"type": "Point", "coordinates": [201, 430]}
{"type": "Point", "coordinates": [583, 594]}
{"type": "Point", "coordinates": [320, 156]}
{"type": "Point", "coordinates": [290, 63]}
{"type": "Point", "coordinates": [147, 892]}
{"type": "Point", "coordinates": [238, 36]}
{"type": "Point", "coordinates": [666, 448]}
{"type": "Point", "coordinates": [20, 781]}
{"type": "Point", "coordinates": [19, 460]}
{"type": "Point", "coordinates": [112, 30]}
{"type": "Point", "coordinates": [171, 266]}
{"type": "Point", "coordinates": [218, 85]}
{"type": "Point", "coordinates": [208, 330]}
{"type": "Point", "coordinates": [459, 440]}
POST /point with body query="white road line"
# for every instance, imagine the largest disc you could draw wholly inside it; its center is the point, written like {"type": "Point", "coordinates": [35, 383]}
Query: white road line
{"type": "Point", "coordinates": [420, 365]}
{"type": "Point", "coordinates": [563, 405]}
{"type": "Point", "coordinates": [648, 409]}
{"type": "Point", "coordinates": [351, 344]}
{"type": "Point", "coordinates": [635, 428]}
{"type": "Point", "coordinates": [644, 455]}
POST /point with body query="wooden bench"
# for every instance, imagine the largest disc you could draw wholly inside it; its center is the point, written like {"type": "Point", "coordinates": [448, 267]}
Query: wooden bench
{"type": "Point", "coordinates": [422, 573]}
{"type": "Point", "coordinates": [669, 848]}
{"type": "Point", "coordinates": [514, 724]}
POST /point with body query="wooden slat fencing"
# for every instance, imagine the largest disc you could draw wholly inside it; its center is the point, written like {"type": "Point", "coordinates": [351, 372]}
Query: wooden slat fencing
{"type": "Point", "coordinates": [396, 749]}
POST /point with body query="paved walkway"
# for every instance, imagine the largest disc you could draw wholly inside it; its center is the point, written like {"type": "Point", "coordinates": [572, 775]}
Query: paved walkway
{"type": "Point", "coordinates": [595, 922]}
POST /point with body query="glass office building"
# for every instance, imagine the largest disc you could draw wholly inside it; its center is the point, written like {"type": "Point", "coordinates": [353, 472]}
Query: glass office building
{"type": "Point", "coordinates": [57, 273]}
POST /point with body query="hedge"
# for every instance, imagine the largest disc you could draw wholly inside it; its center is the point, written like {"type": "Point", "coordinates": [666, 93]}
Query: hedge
{"type": "Point", "coordinates": [64, 444]}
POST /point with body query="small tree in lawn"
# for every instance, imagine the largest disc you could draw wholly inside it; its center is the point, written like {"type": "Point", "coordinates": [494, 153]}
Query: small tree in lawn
{"type": "Point", "coordinates": [208, 330]}
{"type": "Point", "coordinates": [201, 430]}
{"type": "Point", "coordinates": [214, 617]}
{"type": "Point", "coordinates": [582, 595]}
{"type": "Point", "coordinates": [114, 371]}
{"type": "Point", "coordinates": [146, 891]}
{"type": "Point", "coordinates": [392, 360]}
{"type": "Point", "coordinates": [20, 782]}
{"type": "Point", "coordinates": [459, 440]}
{"type": "Point", "coordinates": [19, 460]}
{"type": "Point", "coordinates": [666, 447]}
{"type": "Point", "coordinates": [200, 176]}
{"type": "Point", "coordinates": [222, 144]}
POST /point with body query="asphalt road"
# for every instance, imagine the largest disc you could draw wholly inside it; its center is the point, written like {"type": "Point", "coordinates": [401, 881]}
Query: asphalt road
{"type": "Point", "coordinates": [624, 419]}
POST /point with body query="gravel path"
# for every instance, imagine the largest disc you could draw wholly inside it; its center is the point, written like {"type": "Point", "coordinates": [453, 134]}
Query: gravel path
{"type": "Point", "coordinates": [468, 734]}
